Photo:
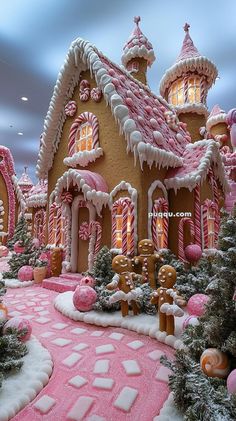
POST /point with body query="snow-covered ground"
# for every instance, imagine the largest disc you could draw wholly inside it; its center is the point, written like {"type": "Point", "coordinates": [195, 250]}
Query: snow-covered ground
{"type": "Point", "coordinates": [169, 412]}
{"type": "Point", "coordinates": [21, 388]}
{"type": "Point", "coordinates": [15, 283]}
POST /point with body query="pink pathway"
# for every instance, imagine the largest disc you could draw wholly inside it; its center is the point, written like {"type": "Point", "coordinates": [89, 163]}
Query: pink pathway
{"type": "Point", "coordinates": [93, 367]}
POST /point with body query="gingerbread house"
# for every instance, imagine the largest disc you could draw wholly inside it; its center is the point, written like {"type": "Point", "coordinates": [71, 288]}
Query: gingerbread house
{"type": "Point", "coordinates": [123, 163]}
{"type": "Point", "coordinates": [12, 200]}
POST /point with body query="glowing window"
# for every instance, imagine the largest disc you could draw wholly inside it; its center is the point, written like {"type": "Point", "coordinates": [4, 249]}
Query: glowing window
{"type": "Point", "coordinates": [176, 93]}
{"type": "Point", "coordinates": [211, 227]}
{"type": "Point", "coordinates": [84, 138]}
{"type": "Point", "coordinates": [118, 230]}
{"type": "Point", "coordinates": [160, 233]}
{"type": "Point", "coordinates": [194, 94]}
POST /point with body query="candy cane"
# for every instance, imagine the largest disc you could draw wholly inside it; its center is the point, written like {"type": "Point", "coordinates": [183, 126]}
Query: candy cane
{"type": "Point", "coordinates": [160, 205]}
{"type": "Point", "coordinates": [182, 223]}
{"type": "Point", "coordinates": [215, 192]}
{"type": "Point", "coordinates": [208, 205]}
{"type": "Point", "coordinates": [124, 227]}
{"type": "Point", "coordinates": [98, 232]}
{"type": "Point", "coordinates": [58, 226]}
{"type": "Point", "coordinates": [85, 117]}
{"type": "Point", "coordinates": [197, 216]}
{"type": "Point", "coordinates": [132, 218]}
{"type": "Point", "coordinates": [51, 223]}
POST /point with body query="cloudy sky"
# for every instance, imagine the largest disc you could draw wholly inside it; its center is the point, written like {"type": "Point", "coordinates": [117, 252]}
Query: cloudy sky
{"type": "Point", "coordinates": [35, 37]}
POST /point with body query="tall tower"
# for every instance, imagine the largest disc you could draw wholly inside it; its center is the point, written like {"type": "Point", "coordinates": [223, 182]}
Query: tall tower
{"type": "Point", "coordinates": [25, 183]}
{"type": "Point", "coordinates": [185, 85]}
{"type": "Point", "coordinates": [138, 53]}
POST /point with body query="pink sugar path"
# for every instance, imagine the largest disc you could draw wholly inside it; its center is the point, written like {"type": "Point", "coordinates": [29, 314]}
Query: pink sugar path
{"type": "Point", "coordinates": [37, 302]}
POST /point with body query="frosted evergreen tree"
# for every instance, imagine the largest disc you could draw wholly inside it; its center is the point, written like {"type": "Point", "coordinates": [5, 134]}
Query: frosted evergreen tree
{"type": "Point", "coordinates": [20, 234]}
{"type": "Point", "coordinates": [198, 396]}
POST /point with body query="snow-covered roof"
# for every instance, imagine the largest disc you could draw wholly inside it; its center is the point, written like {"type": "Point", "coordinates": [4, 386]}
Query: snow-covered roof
{"type": "Point", "coordinates": [138, 46]}
{"type": "Point", "coordinates": [149, 124]}
{"type": "Point", "coordinates": [198, 158]}
{"type": "Point", "coordinates": [25, 181]}
{"type": "Point", "coordinates": [38, 195]}
{"type": "Point", "coordinates": [189, 60]}
{"type": "Point", "coordinates": [216, 116]}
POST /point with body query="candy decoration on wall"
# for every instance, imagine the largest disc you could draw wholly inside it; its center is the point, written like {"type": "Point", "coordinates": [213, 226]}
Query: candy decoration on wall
{"type": "Point", "coordinates": [160, 206]}
{"type": "Point", "coordinates": [84, 231]}
{"type": "Point", "coordinates": [214, 363]}
{"type": "Point", "coordinates": [96, 94]}
{"type": "Point", "coordinates": [67, 197]}
{"type": "Point", "coordinates": [83, 118]}
{"type": "Point", "coordinates": [231, 383]}
{"type": "Point", "coordinates": [20, 325]}
{"type": "Point", "coordinates": [183, 222]}
{"type": "Point", "coordinates": [196, 304]}
{"type": "Point", "coordinates": [84, 90]}
{"type": "Point", "coordinates": [39, 226]}
{"type": "Point", "coordinates": [70, 108]}
{"type": "Point", "coordinates": [215, 192]}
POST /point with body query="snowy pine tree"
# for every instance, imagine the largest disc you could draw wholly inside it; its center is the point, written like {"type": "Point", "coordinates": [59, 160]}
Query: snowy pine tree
{"type": "Point", "coordinates": [198, 396]}
{"type": "Point", "coordinates": [20, 234]}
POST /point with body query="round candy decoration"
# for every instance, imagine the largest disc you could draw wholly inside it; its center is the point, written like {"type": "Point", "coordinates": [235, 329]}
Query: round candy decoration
{"type": "Point", "coordinates": [36, 243]}
{"type": "Point", "coordinates": [87, 280]}
{"type": "Point", "coordinates": [191, 321]}
{"type": "Point", "coordinates": [19, 324]}
{"type": "Point", "coordinates": [18, 248]}
{"type": "Point", "coordinates": [4, 251]}
{"type": "Point", "coordinates": [84, 297]}
{"type": "Point", "coordinates": [231, 383]}
{"type": "Point", "coordinates": [193, 253]}
{"type": "Point", "coordinates": [25, 273]}
{"type": "Point", "coordinates": [70, 108]}
{"type": "Point", "coordinates": [214, 363]}
{"type": "Point", "coordinates": [196, 304]}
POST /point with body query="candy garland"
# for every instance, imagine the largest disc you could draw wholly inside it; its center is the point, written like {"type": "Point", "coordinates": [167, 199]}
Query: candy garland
{"type": "Point", "coordinates": [207, 206]}
{"type": "Point", "coordinates": [84, 90]}
{"type": "Point", "coordinates": [127, 211]}
{"type": "Point", "coordinates": [197, 216]}
{"type": "Point", "coordinates": [160, 205]}
{"type": "Point", "coordinates": [85, 117]}
{"type": "Point", "coordinates": [182, 223]}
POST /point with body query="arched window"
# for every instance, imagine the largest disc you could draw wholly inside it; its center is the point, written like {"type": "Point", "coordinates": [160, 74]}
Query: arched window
{"type": "Point", "coordinates": [176, 93]}
{"type": "Point", "coordinates": [160, 222]}
{"type": "Point", "coordinates": [83, 134]}
{"type": "Point", "coordinates": [210, 224]}
{"type": "Point", "coordinates": [185, 91]}
{"type": "Point", "coordinates": [194, 93]}
{"type": "Point", "coordinates": [84, 138]}
{"type": "Point", "coordinates": [123, 226]}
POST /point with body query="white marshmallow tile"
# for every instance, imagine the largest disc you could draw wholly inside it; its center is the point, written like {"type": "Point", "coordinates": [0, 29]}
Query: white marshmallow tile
{"type": "Point", "coordinates": [104, 349]}
{"type": "Point", "coordinates": [95, 417]}
{"type": "Point", "coordinates": [47, 334]}
{"type": "Point", "coordinates": [78, 331]}
{"type": "Point", "coordinates": [116, 336]}
{"type": "Point", "coordinates": [101, 367]}
{"type": "Point", "coordinates": [135, 344]}
{"type": "Point", "coordinates": [103, 383]}
{"type": "Point", "coordinates": [97, 333]}
{"type": "Point", "coordinates": [72, 359]}
{"type": "Point", "coordinates": [44, 404]}
{"type": "Point", "coordinates": [163, 374]}
{"type": "Point", "coordinates": [80, 347]}
{"type": "Point", "coordinates": [60, 326]}
{"type": "Point", "coordinates": [155, 355]}
{"type": "Point", "coordinates": [131, 367]}
{"type": "Point", "coordinates": [61, 341]}
{"type": "Point", "coordinates": [77, 381]}
{"type": "Point", "coordinates": [42, 320]}
{"type": "Point", "coordinates": [126, 398]}
{"type": "Point", "coordinates": [80, 408]}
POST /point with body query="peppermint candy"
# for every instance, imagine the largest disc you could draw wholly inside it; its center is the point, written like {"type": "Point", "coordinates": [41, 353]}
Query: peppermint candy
{"type": "Point", "coordinates": [96, 94]}
{"type": "Point", "coordinates": [71, 108]}
{"type": "Point", "coordinates": [84, 231]}
{"type": "Point", "coordinates": [66, 197]}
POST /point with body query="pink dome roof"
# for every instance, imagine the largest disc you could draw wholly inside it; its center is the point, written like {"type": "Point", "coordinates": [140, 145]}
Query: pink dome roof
{"type": "Point", "coordinates": [188, 49]}
{"type": "Point", "coordinates": [137, 46]}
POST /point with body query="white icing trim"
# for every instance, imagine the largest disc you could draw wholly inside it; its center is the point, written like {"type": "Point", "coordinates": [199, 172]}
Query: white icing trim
{"type": "Point", "coordinates": [143, 324]}
{"type": "Point", "coordinates": [201, 65]}
{"type": "Point", "coordinates": [28, 382]}
{"type": "Point", "coordinates": [155, 184]}
{"type": "Point", "coordinates": [98, 198]}
{"type": "Point", "coordinates": [197, 108]}
{"type": "Point", "coordinates": [123, 185]}
{"type": "Point", "coordinates": [215, 119]}
{"type": "Point", "coordinates": [19, 194]}
{"type": "Point", "coordinates": [138, 52]}
{"type": "Point", "coordinates": [191, 180]}
{"type": "Point", "coordinates": [83, 158]}
{"type": "Point", "coordinates": [37, 200]}
{"type": "Point", "coordinates": [116, 251]}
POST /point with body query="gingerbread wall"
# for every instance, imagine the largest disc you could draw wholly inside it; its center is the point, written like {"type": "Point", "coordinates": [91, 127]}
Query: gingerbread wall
{"type": "Point", "coordinates": [221, 129]}
{"type": "Point", "coordinates": [194, 121]}
{"type": "Point", "coordinates": [4, 198]}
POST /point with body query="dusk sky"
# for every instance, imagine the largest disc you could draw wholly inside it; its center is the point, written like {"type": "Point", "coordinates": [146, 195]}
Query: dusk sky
{"type": "Point", "coordinates": [35, 37]}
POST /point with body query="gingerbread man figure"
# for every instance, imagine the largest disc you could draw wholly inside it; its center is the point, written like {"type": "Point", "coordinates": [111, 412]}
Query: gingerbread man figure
{"type": "Point", "coordinates": [167, 299]}
{"type": "Point", "coordinates": [124, 281]}
{"type": "Point", "coordinates": [148, 259]}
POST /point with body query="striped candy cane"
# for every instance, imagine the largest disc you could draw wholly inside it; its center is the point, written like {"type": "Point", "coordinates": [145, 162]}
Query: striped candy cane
{"type": "Point", "coordinates": [132, 220]}
{"type": "Point", "coordinates": [85, 117]}
{"type": "Point", "coordinates": [182, 223]}
{"type": "Point", "coordinates": [58, 227]}
{"type": "Point", "coordinates": [160, 205]}
{"type": "Point", "coordinates": [127, 212]}
{"type": "Point", "coordinates": [51, 234]}
{"type": "Point", "coordinates": [197, 216]}
{"type": "Point", "coordinates": [124, 239]}
{"type": "Point", "coordinates": [96, 229]}
{"type": "Point", "coordinates": [208, 205]}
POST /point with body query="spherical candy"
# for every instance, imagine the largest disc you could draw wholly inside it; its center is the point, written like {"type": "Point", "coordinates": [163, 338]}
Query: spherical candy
{"type": "Point", "coordinates": [18, 248]}
{"type": "Point", "coordinates": [196, 304]}
{"type": "Point", "coordinates": [214, 363]}
{"type": "Point", "coordinates": [3, 312]}
{"type": "Point", "coordinates": [231, 382]}
{"type": "Point", "coordinates": [3, 251]}
{"type": "Point", "coordinates": [193, 253]}
{"type": "Point", "coordinates": [191, 321]}
{"type": "Point", "coordinates": [84, 297]}
{"type": "Point", "coordinates": [87, 280]}
{"type": "Point", "coordinates": [25, 273]}
{"type": "Point", "coordinates": [19, 324]}
{"type": "Point", "coordinates": [36, 243]}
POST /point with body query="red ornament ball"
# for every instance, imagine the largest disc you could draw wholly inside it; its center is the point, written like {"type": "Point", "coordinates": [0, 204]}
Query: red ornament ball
{"type": "Point", "coordinates": [196, 304]}
{"type": "Point", "coordinates": [19, 324]}
{"type": "Point", "coordinates": [231, 383]}
{"type": "Point", "coordinates": [193, 253]}
{"type": "Point", "coordinates": [25, 273]}
{"type": "Point", "coordinates": [84, 297]}
{"type": "Point", "coordinates": [87, 280]}
{"type": "Point", "coordinates": [18, 248]}
{"type": "Point", "coordinates": [4, 251]}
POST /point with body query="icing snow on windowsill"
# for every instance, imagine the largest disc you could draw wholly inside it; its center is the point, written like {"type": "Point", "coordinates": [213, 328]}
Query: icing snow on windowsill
{"type": "Point", "coordinates": [21, 388]}
{"type": "Point", "coordinates": [83, 158]}
{"type": "Point", "coordinates": [143, 323]}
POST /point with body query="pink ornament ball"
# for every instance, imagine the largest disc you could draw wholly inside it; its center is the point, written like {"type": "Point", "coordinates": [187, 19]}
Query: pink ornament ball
{"type": "Point", "coordinates": [36, 243]}
{"type": "Point", "coordinates": [4, 251]}
{"type": "Point", "coordinates": [87, 280]}
{"type": "Point", "coordinates": [231, 383]}
{"type": "Point", "coordinates": [84, 297]}
{"type": "Point", "coordinates": [25, 273]}
{"type": "Point", "coordinates": [18, 248]}
{"type": "Point", "coordinates": [193, 253]}
{"type": "Point", "coordinates": [196, 304]}
{"type": "Point", "coordinates": [191, 321]}
{"type": "Point", "coordinates": [19, 324]}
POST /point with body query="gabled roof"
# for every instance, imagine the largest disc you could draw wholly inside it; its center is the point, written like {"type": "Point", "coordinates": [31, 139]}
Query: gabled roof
{"type": "Point", "coordinates": [149, 124]}
{"type": "Point", "coordinates": [217, 115]}
{"type": "Point", "coordinates": [198, 158]}
{"type": "Point", "coordinates": [38, 195]}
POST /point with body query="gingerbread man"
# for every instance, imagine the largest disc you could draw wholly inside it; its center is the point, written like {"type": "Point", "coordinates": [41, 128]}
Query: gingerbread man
{"type": "Point", "coordinates": [148, 260]}
{"type": "Point", "coordinates": [124, 281]}
{"type": "Point", "coordinates": [167, 299]}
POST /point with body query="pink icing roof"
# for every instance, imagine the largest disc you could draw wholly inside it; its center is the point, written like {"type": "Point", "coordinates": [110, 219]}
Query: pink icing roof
{"type": "Point", "coordinates": [188, 49]}
{"type": "Point", "coordinates": [94, 180]}
{"type": "Point", "coordinates": [148, 111]}
{"type": "Point", "coordinates": [192, 157]}
{"type": "Point", "coordinates": [216, 110]}
{"type": "Point", "coordinates": [40, 188]}
{"type": "Point", "coordinates": [25, 181]}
